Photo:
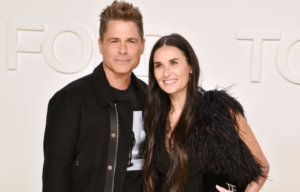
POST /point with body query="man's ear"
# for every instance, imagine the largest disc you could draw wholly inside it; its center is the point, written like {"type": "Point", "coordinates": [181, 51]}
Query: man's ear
{"type": "Point", "coordinates": [100, 46]}
{"type": "Point", "coordinates": [143, 46]}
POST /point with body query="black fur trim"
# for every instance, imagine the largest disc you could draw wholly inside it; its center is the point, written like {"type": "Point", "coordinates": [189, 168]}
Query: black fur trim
{"type": "Point", "coordinates": [216, 138]}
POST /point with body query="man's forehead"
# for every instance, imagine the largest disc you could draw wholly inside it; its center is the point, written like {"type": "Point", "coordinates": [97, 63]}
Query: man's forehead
{"type": "Point", "coordinates": [121, 29]}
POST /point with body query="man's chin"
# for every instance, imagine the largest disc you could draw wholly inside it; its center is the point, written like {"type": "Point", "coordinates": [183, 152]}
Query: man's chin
{"type": "Point", "coordinates": [123, 71]}
{"type": "Point", "coordinates": [119, 70]}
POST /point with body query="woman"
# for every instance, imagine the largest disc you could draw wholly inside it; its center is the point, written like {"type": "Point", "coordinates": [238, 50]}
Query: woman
{"type": "Point", "coordinates": [192, 131]}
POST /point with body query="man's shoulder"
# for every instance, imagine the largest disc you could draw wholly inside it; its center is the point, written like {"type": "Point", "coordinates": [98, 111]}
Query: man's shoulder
{"type": "Point", "coordinates": [79, 85]}
{"type": "Point", "coordinates": [144, 85]}
{"type": "Point", "coordinates": [76, 88]}
{"type": "Point", "coordinates": [140, 83]}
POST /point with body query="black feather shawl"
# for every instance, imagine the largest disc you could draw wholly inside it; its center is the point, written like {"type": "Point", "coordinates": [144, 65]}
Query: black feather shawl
{"type": "Point", "coordinates": [216, 138]}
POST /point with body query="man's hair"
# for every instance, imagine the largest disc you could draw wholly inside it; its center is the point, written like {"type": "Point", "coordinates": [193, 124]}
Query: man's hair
{"type": "Point", "coordinates": [121, 11]}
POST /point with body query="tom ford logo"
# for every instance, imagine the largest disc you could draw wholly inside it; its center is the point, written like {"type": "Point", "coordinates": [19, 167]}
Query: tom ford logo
{"type": "Point", "coordinates": [48, 50]}
{"type": "Point", "coordinates": [231, 187]}
{"type": "Point", "coordinates": [281, 58]}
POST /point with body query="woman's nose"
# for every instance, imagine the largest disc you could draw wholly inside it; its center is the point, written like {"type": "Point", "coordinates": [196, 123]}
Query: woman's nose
{"type": "Point", "coordinates": [167, 71]}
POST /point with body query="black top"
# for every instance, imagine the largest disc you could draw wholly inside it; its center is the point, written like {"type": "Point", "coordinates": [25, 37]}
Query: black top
{"type": "Point", "coordinates": [162, 164]}
{"type": "Point", "coordinates": [130, 93]}
{"type": "Point", "coordinates": [132, 181]}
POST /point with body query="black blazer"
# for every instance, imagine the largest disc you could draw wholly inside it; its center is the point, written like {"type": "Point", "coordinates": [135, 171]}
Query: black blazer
{"type": "Point", "coordinates": [78, 136]}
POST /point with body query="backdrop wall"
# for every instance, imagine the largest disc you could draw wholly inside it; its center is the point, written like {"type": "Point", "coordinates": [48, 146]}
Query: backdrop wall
{"type": "Point", "coordinates": [252, 44]}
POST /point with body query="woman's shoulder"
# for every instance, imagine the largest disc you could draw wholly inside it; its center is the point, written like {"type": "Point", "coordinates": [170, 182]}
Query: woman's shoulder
{"type": "Point", "coordinates": [217, 137]}
{"type": "Point", "coordinates": [217, 93]}
{"type": "Point", "coordinates": [219, 99]}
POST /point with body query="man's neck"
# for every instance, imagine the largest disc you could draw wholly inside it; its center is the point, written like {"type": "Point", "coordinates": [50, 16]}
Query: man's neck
{"type": "Point", "coordinates": [118, 81]}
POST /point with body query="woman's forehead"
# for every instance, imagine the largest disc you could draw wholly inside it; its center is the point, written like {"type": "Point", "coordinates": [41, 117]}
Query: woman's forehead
{"type": "Point", "coordinates": [166, 53]}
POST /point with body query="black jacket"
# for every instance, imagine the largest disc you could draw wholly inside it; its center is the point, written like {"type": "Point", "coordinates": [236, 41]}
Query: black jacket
{"type": "Point", "coordinates": [87, 136]}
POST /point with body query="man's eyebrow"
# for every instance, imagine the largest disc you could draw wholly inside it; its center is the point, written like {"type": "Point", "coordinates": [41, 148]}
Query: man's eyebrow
{"type": "Point", "coordinates": [133, 38]}
{"type": "Point", "coordinates": [113, 38]}
{"type": "Point", "coordinates": [116, 38]}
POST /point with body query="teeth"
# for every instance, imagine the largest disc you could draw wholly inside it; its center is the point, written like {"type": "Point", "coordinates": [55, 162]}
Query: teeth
{"type": "Point", "coordinates": [171, 81]}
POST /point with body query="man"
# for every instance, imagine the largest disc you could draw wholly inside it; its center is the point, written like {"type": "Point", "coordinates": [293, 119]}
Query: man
{"type": "Point", "coordinates": [94, 133]}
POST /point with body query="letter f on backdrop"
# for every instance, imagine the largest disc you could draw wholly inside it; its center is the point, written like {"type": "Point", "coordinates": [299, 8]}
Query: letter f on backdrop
{"type": "Point", "coordinates": [12, 41]}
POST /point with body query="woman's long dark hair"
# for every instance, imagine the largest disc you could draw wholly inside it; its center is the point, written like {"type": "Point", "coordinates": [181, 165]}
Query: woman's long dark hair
{"type": "Point", "coordinates": [156, 109]}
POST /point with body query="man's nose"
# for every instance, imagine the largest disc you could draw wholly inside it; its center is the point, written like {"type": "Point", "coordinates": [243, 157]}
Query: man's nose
{"type": "Point", "coordinates": [122, 48]}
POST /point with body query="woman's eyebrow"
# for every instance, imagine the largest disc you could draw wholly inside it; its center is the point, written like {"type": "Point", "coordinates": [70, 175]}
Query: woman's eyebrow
{"type": "Point", "coordinates": [173, 59]}
{"type": "Point", "coordinates": [158, 62]}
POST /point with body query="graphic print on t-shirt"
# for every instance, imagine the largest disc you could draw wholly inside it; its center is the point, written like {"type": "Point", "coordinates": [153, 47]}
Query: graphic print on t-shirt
{"type": "Point", "coordinates": [139, 137]}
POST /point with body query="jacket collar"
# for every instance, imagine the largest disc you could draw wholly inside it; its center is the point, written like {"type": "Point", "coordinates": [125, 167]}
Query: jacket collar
{"type": "Point", "coordinates": [104, 90]}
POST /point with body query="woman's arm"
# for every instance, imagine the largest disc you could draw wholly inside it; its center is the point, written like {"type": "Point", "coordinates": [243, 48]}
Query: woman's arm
{"type": "Point", "coordinates": [250, 140]}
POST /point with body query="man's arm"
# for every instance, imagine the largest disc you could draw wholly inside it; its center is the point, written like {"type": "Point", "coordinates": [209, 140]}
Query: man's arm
{"type": "Point", "coordinates": [60, 142]}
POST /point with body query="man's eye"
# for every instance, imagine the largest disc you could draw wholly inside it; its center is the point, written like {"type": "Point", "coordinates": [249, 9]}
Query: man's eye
{"type": "Point", "coordinates": [113, 41]}
{"type": "Point", "coordinates": [132, 41]}
{"type": "Point", "coordinates": [173, 63]}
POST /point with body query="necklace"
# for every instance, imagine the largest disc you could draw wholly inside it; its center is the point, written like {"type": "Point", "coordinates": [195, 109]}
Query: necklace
{"type": "Point", "coordinates": [168, 140]}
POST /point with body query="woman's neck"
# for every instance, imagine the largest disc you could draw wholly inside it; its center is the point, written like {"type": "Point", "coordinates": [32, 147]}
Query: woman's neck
{"type": "Point", "coordinates": [177, 102]}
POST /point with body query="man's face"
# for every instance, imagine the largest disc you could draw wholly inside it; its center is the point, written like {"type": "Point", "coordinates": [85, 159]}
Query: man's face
{"type": "Point", "coordinates": [121, 47]}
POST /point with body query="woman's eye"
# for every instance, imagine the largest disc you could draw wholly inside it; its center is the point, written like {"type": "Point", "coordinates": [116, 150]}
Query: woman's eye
{"type": "Point", "coordinates": [158, 66]}
{"type": "Point", "coordinates": [173, 63]}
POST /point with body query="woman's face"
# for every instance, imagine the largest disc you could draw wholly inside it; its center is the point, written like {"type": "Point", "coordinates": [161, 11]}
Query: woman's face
{"type": "Point", "coordinates": [171, 69]}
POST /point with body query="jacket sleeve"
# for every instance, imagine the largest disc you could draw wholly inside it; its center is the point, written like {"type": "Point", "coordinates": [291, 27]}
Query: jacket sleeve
{"type": "Point", "coordinates": [60, 142]}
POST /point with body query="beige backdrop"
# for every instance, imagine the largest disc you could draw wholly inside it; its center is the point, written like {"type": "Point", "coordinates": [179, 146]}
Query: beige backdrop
{"type": "Point", "coordinates": [266, 73]}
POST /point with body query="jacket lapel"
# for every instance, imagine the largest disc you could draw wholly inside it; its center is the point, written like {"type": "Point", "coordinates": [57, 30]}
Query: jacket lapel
{"type": "Point", "coordinates": [102, 85]}
{"type": "Point", "coordinates": [140, 88]}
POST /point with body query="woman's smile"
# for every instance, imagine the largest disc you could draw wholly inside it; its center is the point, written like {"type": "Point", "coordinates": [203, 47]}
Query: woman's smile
{"type": "Point", "coordinates": [169, 82]}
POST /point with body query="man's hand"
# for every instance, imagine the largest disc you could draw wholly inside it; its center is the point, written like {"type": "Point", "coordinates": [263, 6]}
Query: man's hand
{"type": "Point", "coordinates": [221, 189]}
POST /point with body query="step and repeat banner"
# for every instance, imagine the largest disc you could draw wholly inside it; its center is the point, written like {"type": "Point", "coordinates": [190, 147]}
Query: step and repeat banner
{"type": "Point", "coordinates": [253, 45]}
